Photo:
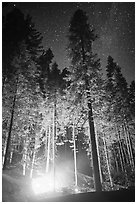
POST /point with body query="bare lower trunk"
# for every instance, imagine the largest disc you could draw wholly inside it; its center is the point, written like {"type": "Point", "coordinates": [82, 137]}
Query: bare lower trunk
{"type": "Point", "coordinates": [9, 135]}
{"type": "Point", "coordinates": [11, 156]}
{"type": "Point", "coordinates": [24, 164]}
{"type": "Point", "coordinates": [75, 159]}
{"type": "Point", "coordinates": [99, 163]}
{"type": "Point", "coordinates": [107, 160]}
{"type": "Point", "coordinates": [10, 127]}
{"type": "Point", "coordinates": [4, 151]}
{"type": "Point", "coordinates": [122, 153]}
{"type": "Point", "coordinates": [53, 143]}
{"type": "Point", "coordinates": [129, 145]}
{"type": "Point", "coordinates": [98, 186]}
{"type": "Point", "coordinates": [33, 161]}
{"type": "Point", "coordinates": [48, 150]}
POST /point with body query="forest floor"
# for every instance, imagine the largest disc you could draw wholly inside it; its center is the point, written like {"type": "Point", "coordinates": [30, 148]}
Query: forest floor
{"type": "Point", "coordinates": [17, 188]}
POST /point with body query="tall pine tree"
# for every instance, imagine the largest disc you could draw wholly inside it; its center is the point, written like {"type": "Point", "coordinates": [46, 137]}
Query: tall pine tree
{"type": "Point", "coordinates": [85, 74]}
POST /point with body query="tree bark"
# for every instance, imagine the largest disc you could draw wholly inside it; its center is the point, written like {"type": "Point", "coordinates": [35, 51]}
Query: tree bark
{"type": "Point", "coordinates": [10, 128]}
{"type": "Point", "coordinates": [130, 145]}
{"type": "Point", "coordinates": [122, 153]}
{"type": "Point", "coordinates": [99, 163]}
{"type": "Point", "coordinates": [75, 159]}
{"type": "Point", "coordinates": [98, 186]}
{"type": "Point", "coordinates": [47, 162]}
{"type": "Point", "coordinates": [53, 143]}
{"type": "Point", "coordinates": [4, 151]}
{"type": "Point", "coordinates": [33, 161]}
{"type": "Point", "coordinates": [107, 160]}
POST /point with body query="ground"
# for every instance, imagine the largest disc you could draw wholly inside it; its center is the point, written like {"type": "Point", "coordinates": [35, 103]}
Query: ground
{"type": "Point", "coordinates": [17, 188]}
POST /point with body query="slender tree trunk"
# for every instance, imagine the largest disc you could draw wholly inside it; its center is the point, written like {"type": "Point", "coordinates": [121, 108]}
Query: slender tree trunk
{"type": "Point", "coordinates": [24, 157]}
{"type": "Point", "coordinates": [4, 151]}
{"type": "Point", "coordinates": [24, 164]}
{"type": "Point", "coordinates": [99, 163]}
{"type": "Point", "coordinates": [48, 152]}
{"type": "Point", "coordinates": [129, 143]}
{"type": "Point", "coordinates": [128, 150]}
{"type": "Point", "coordinates": [11, 156]}
{"type": "Point", "coordinates": [10, 128]}
{"type": "Point", "coordinates": [122, 153]}
{"type": "Point", "coordinates": [53, 142]}
{"type": "Point", "coordinates": [107, 160]}
{"type": "Point", "coordinates": [33, 161]}
{"type": "Point", "coordinates": [127, 155]}
{"type": "Point", "coordinates": [75, 158]}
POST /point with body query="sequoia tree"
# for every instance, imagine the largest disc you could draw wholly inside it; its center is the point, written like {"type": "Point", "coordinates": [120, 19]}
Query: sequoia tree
{"type": "Point", "coordinates": [85, 74]}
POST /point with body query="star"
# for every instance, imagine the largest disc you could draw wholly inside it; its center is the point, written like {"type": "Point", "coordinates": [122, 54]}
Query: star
{"type": "Point", "coordinates": [113, 22]}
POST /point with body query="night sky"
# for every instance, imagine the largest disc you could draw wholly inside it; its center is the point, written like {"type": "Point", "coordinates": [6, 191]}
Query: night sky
{"type": "Point", "coordinates": [113, 22]}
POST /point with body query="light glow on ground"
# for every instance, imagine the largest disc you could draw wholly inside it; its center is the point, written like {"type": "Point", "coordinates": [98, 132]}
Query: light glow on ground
{"type": "Point", "coordinates": [42, 185]}
{"type": "Point", "coordinates": [46, 183]}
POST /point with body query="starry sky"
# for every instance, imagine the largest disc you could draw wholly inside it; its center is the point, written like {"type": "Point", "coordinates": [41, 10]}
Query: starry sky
{"type": "Point", "coordinates": [114, 23]}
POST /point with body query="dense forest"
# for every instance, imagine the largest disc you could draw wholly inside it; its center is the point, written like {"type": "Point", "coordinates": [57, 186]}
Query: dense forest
{"type": "Point", "coordinates": [50, 114]}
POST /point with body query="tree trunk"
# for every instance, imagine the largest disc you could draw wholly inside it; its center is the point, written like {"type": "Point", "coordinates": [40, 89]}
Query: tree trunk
{"type": "Point", "coordinates": [24, 164]}
{"type": "Point", "coordinates": [99, 163]}
{"type": "Point", "coordinates": [11, 156]}
{"type": "Point", "coordinates": [127, 154]}
{"type": "Point", "coordinates": [115, 159]}
{"type": "Point", "coordinates": [129, 143]}
{"type": "Point", "coordinates": [98, 186]}
{"type": "Point", "coordinates": [107, 160]}
{"type": "Point", "coordinates": [122, 153]}
{"type": "Point", "coordinates": [4, 151]}
{"type": "Point", "coordinates": [25, 156]}
{"type": "Point", "coordinates": [10, 128]}
{"type": "Point", "coordinates": [47, 162]}
{"type": "Point", "coordinates": [33, 161]}
{"type": "Point", "coordinates": [75, 158]}
{"type": "Point", "coordinates": [53, 143]}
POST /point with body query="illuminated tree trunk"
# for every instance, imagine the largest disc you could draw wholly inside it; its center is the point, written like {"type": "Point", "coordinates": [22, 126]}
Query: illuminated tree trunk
{"type": "Point", "coordinates": [24, 157]}
{"type": "Point", "coordinates": [48, 150]}
{"type": "Point", "coordinates": [107, 160]}
{"type": "Point", "coordinates": [33, 162]}
{"type": "Point", "coordinates": [24, 164]}
{"type": "Point", "coordinates": [98, 186]}
{"type": "Point", "coordinates": [122, 153]}
{"type": "Point", "coordinates": [4, 151]}
{"type": "Point", "coordinates": [11, 156]}
{"type": "Point", "coordinates": [129, 145]}
{"type": "Point", "coordinates": [10, 128]}
{"type": "Point", "coordinates": [75, 157]}
{"type": "Point", "coordinates": [99, 163]}
{"type": "Point", "coordinates": [53, 141]}
{"type": "Point", "coordinates": [119, 151]}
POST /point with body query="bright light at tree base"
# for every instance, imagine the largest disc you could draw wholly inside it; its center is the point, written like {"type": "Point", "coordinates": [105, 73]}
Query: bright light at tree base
{"type": "Point", "coordinates": [46, 184]}
{"type": "Point", "coordinates": [42, 184]}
